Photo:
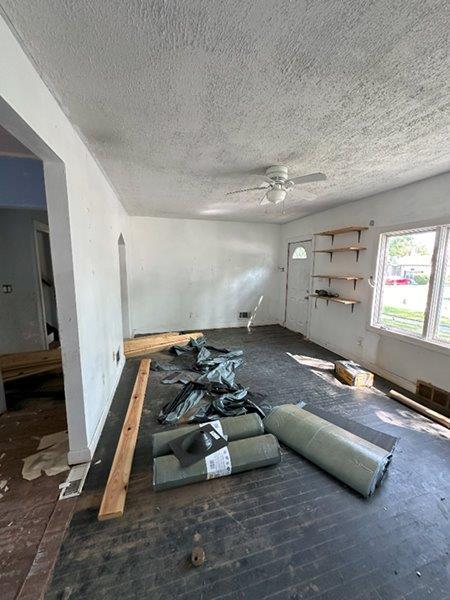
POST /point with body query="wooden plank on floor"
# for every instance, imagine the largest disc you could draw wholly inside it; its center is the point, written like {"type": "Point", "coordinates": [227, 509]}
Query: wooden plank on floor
{"type": "Point", "coordinates": [12, 375]}
{"type": "Point", "coordinates": [114, 496]}
{"type": "Point", "coordinates": [19, 360]}
{"type": "Point", "coordinates": [141, 346]}
{"type": "Point", "coordinates": [420, 408]}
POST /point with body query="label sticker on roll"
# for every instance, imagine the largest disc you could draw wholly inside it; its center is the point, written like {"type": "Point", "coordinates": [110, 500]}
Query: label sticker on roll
{"type": "Point", "coordinates": [217, 426]}
{"type": "Point", "coordinates": [218, 464]}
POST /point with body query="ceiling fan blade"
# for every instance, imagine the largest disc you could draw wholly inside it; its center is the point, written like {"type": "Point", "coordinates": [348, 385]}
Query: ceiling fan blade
{"type": "Point", "coordinates": [308, 178]}
{"type": "Point", "coordinates": [246, 190]}
{"type": "Point", "coordinates": [264, 200]}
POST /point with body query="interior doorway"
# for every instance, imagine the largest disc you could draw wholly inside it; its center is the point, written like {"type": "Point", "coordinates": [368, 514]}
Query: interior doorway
{"type": "Point", "coordinates": [34, 441]}
{"type": "Point", "coordinates": [124, 288]}
{"type": "Point", "coordinates": [298, 286]}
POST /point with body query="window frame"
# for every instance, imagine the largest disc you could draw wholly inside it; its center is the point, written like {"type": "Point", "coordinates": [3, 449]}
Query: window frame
{"type": "Point", "coordinates": [428, 338]}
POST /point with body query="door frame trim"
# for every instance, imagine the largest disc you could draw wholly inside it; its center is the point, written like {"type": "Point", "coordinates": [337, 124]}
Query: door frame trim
{"type": "Point", "coordinates": [307, 239]}
{"type": "Point", "coordinates": [39, 227]}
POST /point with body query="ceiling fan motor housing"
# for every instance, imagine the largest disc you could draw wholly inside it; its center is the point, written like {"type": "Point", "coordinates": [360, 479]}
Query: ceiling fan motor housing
{"type": "Point", "coordinates": [278, 173]}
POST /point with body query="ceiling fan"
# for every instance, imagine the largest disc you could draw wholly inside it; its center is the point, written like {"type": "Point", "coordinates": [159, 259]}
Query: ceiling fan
{"type": "Point", "coordinates": [280, 184]}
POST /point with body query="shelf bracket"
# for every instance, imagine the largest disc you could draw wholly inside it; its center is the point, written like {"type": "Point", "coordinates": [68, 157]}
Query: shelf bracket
{"type": "Point", "coordinates": [329, 281]}
{"type": "Point", "coordinates": [357, 255]}
{"type": "Point", "coordinates": [353, 306]}
{"type": "Point", "coordinates": [359, 236]}
{"type": "Point", "coordinates": [315, 303]}
{"type": "Point", "coordinates": [354, 284]}
{"type": "Point", "coordinates": [331, 256]}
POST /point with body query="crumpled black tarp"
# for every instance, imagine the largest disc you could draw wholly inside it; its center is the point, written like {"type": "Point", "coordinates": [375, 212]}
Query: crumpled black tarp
{"type": "Point", "coordinates": [189, 396]}
{"type": "Point", "coordinates": [211, 375]}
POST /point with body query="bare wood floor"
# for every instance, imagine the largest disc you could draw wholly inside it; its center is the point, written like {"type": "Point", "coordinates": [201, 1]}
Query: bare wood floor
{"type": "Point", "coordinates": [27, 506]}
{"type": "Point", "coordinates": [284, 532]}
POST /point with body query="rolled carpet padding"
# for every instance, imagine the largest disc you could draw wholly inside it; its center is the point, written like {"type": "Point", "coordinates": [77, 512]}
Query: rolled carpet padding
{"type": "Point", "coordinates": [351, 459]}
{"type": "Point", "coordinates": [238, 456]}
{"type": "Point", "coordinates": [235, 428]}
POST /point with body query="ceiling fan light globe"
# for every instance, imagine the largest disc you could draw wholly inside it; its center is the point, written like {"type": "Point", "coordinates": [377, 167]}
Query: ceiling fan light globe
{"type": "Point", "coordinates": [276, 195]}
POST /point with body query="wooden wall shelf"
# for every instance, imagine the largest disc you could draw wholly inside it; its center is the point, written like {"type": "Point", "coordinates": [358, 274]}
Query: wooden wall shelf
{"type": "Point", "coordinates": [346, 301]}
{"type": "Point", "coordinates": [331, 251]}
{"type": "Point", "coordinates": [332, 232]}
{"type": "Point", "coordinates": [341, 277]}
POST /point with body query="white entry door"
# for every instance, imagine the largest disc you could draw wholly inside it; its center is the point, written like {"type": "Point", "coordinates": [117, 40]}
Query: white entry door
{"type": "Point", "coordinates": [299, 277]}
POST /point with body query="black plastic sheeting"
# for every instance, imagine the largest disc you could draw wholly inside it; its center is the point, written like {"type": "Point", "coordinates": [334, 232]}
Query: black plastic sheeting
{"type": "Point", "coordinates": [209, 374]}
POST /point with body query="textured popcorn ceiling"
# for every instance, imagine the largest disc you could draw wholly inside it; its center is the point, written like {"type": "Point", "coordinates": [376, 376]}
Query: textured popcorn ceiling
{"type": "Point", "coordinates": [182, 101]}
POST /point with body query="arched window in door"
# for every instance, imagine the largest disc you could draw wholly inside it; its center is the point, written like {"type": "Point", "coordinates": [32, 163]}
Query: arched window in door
{"type": "Point", "coordinates": [299, 253]}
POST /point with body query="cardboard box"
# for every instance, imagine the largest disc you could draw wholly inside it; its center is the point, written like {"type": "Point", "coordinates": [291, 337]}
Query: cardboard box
{"type": "Point", "coordinates": [352, 374]}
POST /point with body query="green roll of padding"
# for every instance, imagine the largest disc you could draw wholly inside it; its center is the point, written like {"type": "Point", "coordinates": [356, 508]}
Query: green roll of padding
{"type": "Point", "coordinates": [236, 428]}
{"type": "Point", "coordinates": [243, 455]}
{"type": "Point", "coordinates": [351, 459]}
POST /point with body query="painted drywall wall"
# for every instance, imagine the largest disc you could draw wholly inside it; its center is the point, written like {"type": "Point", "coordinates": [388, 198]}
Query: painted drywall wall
{"type": "Point", "coordinates": [189, 274]}
{"type": "Point", "coordinates": [21, 325]}
{"type": "Point", "coordinates": [85, 219]}
{"type": "Point", "coordinates": [22, 183]}
{"type": "Point", "coordinates": [334, 326]}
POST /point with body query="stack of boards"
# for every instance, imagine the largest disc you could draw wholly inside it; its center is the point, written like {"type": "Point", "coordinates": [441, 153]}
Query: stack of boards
{"type": "Point", "coordinates": [157, 342]}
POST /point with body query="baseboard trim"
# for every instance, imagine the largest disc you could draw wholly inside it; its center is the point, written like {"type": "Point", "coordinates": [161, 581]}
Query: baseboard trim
{"type": "Point", "coordinates": [234, 325]}
{"type": "Point", "coordinates": [86, 454]}
{"type": "Point", "coordinates": [75, 457]}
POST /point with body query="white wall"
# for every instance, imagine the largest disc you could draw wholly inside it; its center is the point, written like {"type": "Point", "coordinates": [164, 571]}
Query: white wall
{"type": "Point", "coordinates": [189, 274]}
{"type": "Point", "coordinates": [85, 220]}
{"type": "Point", "coordinates": [335, 326]}
{"type": "Point", "coordinates": [21, 325]}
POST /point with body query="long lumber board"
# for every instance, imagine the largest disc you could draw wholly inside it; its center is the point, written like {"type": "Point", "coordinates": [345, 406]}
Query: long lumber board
{"type": "Point", "coordinates": [136, 347]}
{"type": "Point", "coordinates": [114, 496]}
{"type": "Point", "coordinates": [157, 338]}
{"type": "Point", "coordinates": [420, 408]}
{"type": "Point", "coordinates": [12, 375]}
{"type": "Point", "coordinates": [20, 360]}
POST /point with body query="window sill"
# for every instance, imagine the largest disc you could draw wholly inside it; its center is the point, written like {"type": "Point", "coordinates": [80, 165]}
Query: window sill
{"type": "Point", "coordinates": [401, 337]}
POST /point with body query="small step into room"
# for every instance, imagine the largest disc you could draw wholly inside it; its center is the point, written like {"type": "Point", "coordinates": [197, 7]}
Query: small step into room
{"type": "Point", "coordinates": [224, 300]}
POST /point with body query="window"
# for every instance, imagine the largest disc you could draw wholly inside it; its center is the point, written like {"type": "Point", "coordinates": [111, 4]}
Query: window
{"type": "Point", "coordinates": [412, 291]}
{"type": "Point", "coordinates": [443, 308]}
{"type": "Point", "coordinates": [299, 253]}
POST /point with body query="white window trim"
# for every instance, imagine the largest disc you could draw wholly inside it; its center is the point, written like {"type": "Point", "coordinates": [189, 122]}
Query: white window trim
{"type": "Point", "coordinates": [435, 292]}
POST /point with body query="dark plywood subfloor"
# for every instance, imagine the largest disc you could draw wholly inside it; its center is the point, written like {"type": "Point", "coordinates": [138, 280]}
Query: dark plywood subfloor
{"type": "Point", "coordinates": [27, 507]}
{"type": "Point", "coordinates": [284, 532]}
